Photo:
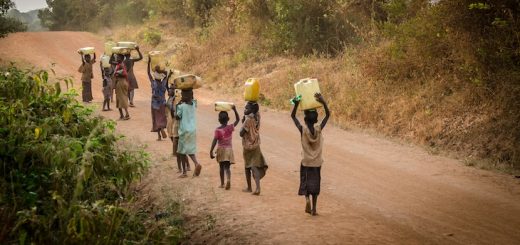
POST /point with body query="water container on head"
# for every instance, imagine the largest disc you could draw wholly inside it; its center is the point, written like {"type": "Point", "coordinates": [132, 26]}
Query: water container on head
{"type": "Point", "coordinates": [120, 50]}
{"type": "Point", "coordinates": [188, 81]}
{"type": "Point", "coordinates": [86, 50]}
{"type": "Point", "coordinates": [105, 61]}
{"type": "Point", "coordinates": [252, 89]}
{"type": "Point", "coordinates": [157, 59]}
{"type": "Point", "coordinates": [307, 88]}
{"type": "Point", "coordinates": [223, 106]}
{"type": "Point", "coordinates": [130, 45]}
{"type": "Point", "coordinates": [108, 47]}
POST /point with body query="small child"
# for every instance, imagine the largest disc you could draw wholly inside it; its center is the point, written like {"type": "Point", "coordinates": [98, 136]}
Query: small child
{"type": "Point", "coordinates": [159, 84]}
{"type": "Point", "coordinates": [253, 158]}
{"type": "Point", "coordinates": [86, 76]}
{"type": "Point", "coordinates": [312, 142]}
{"type": "Point", "coordinates": [172, 126]}
{"type": "Point", "coordinates": [187, 146]}
{"type": "Point", "coordinates": [106, 74]}
{"type": "Point", "coordinates": [224, 138]}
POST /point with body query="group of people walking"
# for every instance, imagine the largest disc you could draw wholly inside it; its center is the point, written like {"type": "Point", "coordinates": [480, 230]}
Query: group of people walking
{"type": "Point", "coordinates": [175, 117]}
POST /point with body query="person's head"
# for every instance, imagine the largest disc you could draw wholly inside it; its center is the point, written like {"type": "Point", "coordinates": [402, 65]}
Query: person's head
{"type": "Point", "coordinates": [310, 116]}
{"type": "Point", "coordinates": [106, 71]}
{"type": "Point", "coordinates": [171, 92]}
{"type": "Point", "coordinates": [251, 107]}
{"type": "Point", "coordinates": [87, 58]}
{"type": "Point", "coordinates": [119, 58]}
{"type": "Point", "coordinates": [187, 95]}
{"type": "Point", "coordinates": [127, 55]}
{"type": "Point", "coordinates": [223, 117]}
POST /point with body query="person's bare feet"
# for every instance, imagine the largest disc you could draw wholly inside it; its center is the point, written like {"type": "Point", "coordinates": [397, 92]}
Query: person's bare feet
{"type": "Point", "coordinates": [308, 207]}
{"type": "Point", "coordinates": [257, 192]}
{"type": "Point", "coordinates": [228, 185]}
{"type": "Point", "coordinates": [221, 186]}
{"type": "Point", "coordinates": [247, 190]}
{"type": "Point", "coordinates": [183, 175]}
{"type": "Point", "coordinates": [314, 213]}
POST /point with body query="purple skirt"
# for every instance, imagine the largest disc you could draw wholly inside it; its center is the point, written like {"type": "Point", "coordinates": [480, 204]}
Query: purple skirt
{"type": "Point", "coordinates": [159, 118]}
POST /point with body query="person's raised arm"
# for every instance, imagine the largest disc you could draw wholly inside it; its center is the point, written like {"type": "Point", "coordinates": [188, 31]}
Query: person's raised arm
{"type": "Point", "coordinates": [101, 68]}
{"type": "Point", "coordinates": [148, 69]}
{"type": "Point", "coordinates": [94, 59]}
{"type": "Point", "coordinates": [237, 120]}
{"type": "Point", "coordinates": [82, 58]}
{"type": "Point", "coordinates": [320, 99]}
{"type": "Point", "coordinates": [140, 55]}
{"type": "Point", "coordinates": [213, 144]}
{"type": "Point", "coordinates": [293, 115]}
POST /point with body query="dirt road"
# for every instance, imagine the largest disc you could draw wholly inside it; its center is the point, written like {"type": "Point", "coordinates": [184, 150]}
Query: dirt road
{"type": "Point", "coordinates": [373, 190]}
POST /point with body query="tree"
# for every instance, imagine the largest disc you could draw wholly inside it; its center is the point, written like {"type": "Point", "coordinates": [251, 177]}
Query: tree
{"type": "Point", "coordinates": [7, 24]}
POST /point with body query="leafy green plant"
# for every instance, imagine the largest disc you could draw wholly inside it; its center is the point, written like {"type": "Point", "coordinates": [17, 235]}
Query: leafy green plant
{"type": "Point", "coordinates": [152, 36]}
{"type": "Point", "coordinates": [65, 173]}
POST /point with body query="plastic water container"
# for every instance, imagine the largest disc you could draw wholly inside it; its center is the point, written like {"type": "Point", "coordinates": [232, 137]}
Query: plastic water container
{"type": "Point", "coordinates": [223, 106]}
{"type": "Point", "coordinates": [157, 59]}
{"type": "Point", "coordinates": [120, 50]}
{"type": "Point", "coordinates": [105, 61]}
{"type": "Point", "coordinates": [130, 45]}
{"type": "Point", "coordinates": [108, 47]}
{"type": "Point", "coordinates": [307, 88]}
{"type": "Point", "coordinates": [252, 89]}
{"type": "Point", "coordinates": [86, 50]}
{"type": "Point", "coordinates": [188, 81]}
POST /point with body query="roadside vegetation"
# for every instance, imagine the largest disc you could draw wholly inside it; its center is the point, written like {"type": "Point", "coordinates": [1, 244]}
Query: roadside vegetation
{"type": "Point", "coordinates": [67, 177]}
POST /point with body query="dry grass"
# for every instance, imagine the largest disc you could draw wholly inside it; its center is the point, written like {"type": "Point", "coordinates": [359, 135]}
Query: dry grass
{"type": "Point", "coordinates": [368, 88]}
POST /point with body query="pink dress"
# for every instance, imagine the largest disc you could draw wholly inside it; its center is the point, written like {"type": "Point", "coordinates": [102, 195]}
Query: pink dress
{"type": "Point", "coordinates": [224, 138]}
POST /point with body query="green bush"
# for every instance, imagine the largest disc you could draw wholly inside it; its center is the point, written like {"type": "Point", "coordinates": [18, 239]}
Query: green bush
{"type": "Point", "coordinates": [65, 174]}
{"type": "Point", "coordinates": [152, 36]}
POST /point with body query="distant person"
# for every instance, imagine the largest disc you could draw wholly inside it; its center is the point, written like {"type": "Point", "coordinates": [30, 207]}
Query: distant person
{"type": "Point", "coordinates": [121, 85]}
{"type": "Point", "coordinates": [312, 143]}
{"type": "Point", "coordinates": [106, 74]}
{"type": "Point", "coordinates": [253, 158]}
{"type": "Point", "coordinates": [86, 77]}
{"type": "Point", "coordinates": [224, 138]}
{"type": "Point", "coordinates": [159, 83]}
{"type": "Point", "coordinates": [186, 114]}
{"type": "Point", "coordinates": [132, 80]}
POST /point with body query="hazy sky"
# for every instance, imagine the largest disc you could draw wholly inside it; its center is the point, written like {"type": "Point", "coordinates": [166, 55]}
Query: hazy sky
{"type": "Point", "coordinates": [28, 5]}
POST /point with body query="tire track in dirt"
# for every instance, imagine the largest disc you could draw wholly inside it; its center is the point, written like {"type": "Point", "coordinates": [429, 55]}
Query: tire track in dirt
{"type": "Point", "coordinates": [373, 190]}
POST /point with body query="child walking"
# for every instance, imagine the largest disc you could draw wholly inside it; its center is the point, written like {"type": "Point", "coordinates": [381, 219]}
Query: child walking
{"type": "Point", "coordinates": [159, 83]}
{"type": "Point", "coordinates": [106, 74]}
{"type": "Point", "coordinates": [86, 76]}
{"type": "Point", "coordinates": [224, 138]}
{"type": "Point", "coordinates": [253, 159]}
{"type": "Point", "coordinates": [312, 142]}
{"type": "Point", "coordinates": [121, 85]}
{"type": "Point", "coordinates": [187, 146]}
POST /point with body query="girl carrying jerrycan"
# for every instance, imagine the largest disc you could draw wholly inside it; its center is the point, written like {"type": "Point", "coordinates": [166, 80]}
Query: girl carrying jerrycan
{"type": "Point", "coordinates": [308, 95]}
{"type": "Point", "coordinates": [253, 158]}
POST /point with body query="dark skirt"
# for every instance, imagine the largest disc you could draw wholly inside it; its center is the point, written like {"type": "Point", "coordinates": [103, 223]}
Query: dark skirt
{"type": "Point", "coordinates": [310, 180]}
{"type": "Point", "coordinates": [158, 118]}
{"type": "Point", "coordinates": [86, 94]}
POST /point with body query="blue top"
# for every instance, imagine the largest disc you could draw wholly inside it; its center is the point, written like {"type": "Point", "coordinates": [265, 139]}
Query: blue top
{"type": "Point", "coordinates": [158, 92]}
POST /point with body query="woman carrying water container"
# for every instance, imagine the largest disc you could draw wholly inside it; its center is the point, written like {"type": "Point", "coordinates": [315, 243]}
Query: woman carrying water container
{"type": "Point", "coordinates": [159, 83]}
{"type": "Point", "coordinates": [86, 73]}
{"type": "Point", "coordinates": [121, 85]}
{"type": "Point", "coordinates": [132, 80]}
{"type": "Point", "coordinates": [311, 140]}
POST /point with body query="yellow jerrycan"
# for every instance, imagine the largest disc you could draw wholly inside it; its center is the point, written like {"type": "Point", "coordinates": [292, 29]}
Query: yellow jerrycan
{"type": "Point", "coordinates": [307, 88]}
{"type": "Point", "coordinates": [157, 59]}
{"type": "Point", "coordinates": [125, 44]}
{"type": "Point", "coordinates": [188, 81]}
{"type": "Point", "coordinates": [120, 50]}
{"type": "Point", "coordinates": [105, 61]}
{"type": "Point", "coordinates": [108, 47]}
{"type": "Point", "coordinates": [86, 50]}
{"type": "Point", "coordinates": [252, 90]}
{"type": "Point", "coordinates": [223, 106]}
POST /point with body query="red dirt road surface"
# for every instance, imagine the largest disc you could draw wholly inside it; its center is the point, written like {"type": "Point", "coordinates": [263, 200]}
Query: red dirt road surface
{"type": "Point", "coordinates": [374, 191]}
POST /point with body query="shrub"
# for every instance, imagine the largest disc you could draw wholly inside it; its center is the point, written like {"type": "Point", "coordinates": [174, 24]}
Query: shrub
{"type": "Point", "coordinates": [152, 36]}
{"type": "Point", "coordinates": [65, 174]}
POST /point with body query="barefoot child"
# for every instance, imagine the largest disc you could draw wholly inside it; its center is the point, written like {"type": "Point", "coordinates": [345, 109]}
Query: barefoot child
{"type": "Point", "coordinates": [253, 159]}
{"type": "Point", "coordinates": [172, 124]}
{"type": "Point", "coordinates": [106, 74]}
{"type": "Point", "coordinates": [132, 80]}
{"type": "Point", "coordinates": [159, 83]}
{"type": "Point", "coordinates": [86, 76]}
{"type": "Point", "coordinates": [312, 142]}
{"type": "Point", "coordinates": [224, 138]}
{"type": "Point", "coordinates": [187, 146]}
